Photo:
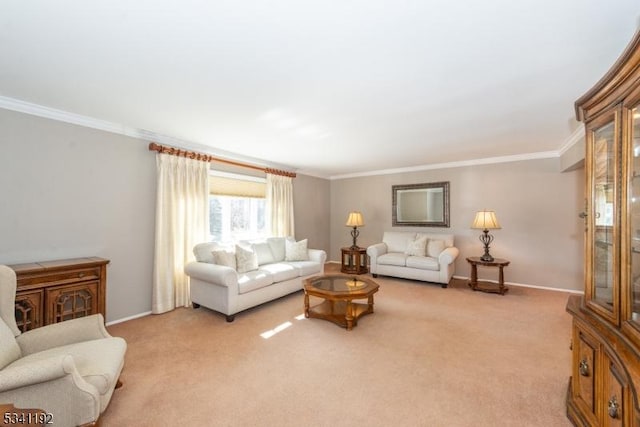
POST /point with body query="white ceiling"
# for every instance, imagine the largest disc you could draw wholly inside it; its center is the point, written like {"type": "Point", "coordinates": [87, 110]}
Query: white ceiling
{"type": "Point", "coordinates": [325, 87]}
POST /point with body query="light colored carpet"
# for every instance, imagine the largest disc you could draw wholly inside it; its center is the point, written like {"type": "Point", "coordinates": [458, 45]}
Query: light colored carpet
{"type": "Point", "coordinates": [427, 357]}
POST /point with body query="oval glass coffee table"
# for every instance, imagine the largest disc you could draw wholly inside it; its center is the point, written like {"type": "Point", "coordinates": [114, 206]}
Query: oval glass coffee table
{"type": "Point", "coordinates": [338, 292]}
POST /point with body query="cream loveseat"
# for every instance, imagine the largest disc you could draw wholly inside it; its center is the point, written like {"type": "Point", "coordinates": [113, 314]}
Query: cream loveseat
{"type": "Point", "coordinates": [416, 256]}
{"type": "Point", "coordinates": [251, 273]}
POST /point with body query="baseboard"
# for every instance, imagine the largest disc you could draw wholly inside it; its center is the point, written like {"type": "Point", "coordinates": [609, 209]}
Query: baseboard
{"type": "Point", "coordinates": [135, 316]}
{"type": "Point", "coordinates": [524, 285]}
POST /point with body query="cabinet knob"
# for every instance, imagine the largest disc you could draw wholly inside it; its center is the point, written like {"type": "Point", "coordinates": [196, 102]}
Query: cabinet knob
{"type": "Point", "coordinates": [583, 368]}
{"type": "Point", "coordinates": [614, 407]}
{"type": "Point", "coordinates": [582, 215]}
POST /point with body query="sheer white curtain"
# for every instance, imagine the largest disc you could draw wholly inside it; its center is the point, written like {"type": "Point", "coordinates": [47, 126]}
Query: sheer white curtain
{"type": "Point", "coordinates": [182, 211]}
{"type": "Point", "coordinates": [279, 197]}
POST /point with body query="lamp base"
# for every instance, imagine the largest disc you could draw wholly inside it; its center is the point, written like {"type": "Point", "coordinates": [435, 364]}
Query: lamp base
{"type": "Point", "coordinates": [486, 240]}
{"type": "Point", "coordinates": [355, 233]}
{"type": "Point", "coordinates": [487, 258]}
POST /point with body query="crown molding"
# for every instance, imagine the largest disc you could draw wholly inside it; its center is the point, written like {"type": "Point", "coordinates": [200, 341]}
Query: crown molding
{"type": "Point", "coordinates": [462, 163]}
{"type": "Point", "coordinates": [146, 135]}
{"type": "Point", "coordinates": [93, 123]}
{"type": "Point", "coordinates": [575, 137]}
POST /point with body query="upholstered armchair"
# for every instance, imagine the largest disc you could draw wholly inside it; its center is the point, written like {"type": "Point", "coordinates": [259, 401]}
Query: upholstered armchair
{"type": "Point", "coordinates": [68, 369]}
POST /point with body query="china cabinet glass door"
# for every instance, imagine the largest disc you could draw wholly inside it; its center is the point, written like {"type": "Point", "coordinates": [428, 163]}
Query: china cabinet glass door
{"type": "Point", "coordinates": [602, 293]}
{"type": "Point", "coordinates": [634, 217]}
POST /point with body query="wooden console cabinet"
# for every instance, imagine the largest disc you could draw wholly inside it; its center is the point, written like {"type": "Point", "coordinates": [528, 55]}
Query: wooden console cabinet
{"type": "Point", "coordinates": [54, 291]}
{"type": "Point", "coordinates": [605, 373]}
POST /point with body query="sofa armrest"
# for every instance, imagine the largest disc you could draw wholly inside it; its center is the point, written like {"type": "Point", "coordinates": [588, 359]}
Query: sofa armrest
{"type": "Point", "coordinates": [449, 255]}
{"type": "Point", "coordinates": [317, 255]}
{"type": "Point", "coordinates": [376, 250]}
{"type": "Point", "coordinates": [63, 333]}
{"type": "Point", "coordinates": [217, 274]}
{"type": "Point", "coordinates": [50, 384]}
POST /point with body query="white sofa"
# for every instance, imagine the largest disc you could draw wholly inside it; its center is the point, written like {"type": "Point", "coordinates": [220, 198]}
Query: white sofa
{"type": "Point", "coordinates": [226, 290]}
{"type": "Point", "coordinates": [402, 254]}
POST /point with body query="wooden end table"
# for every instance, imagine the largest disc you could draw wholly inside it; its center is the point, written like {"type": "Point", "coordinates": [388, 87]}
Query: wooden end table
{"type": "Point", "coordinates": [338, 292]}
{"type": "Point", "coordinates": [354, 260]}
{"type": "Point", "coordinates": [484, 286]}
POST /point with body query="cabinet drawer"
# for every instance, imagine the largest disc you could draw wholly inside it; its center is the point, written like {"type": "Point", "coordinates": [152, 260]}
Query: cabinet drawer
{"type": "Point", "coordinates": [71, 301]}
{"type": "Point", "coordinates": [28, 310]}
{"type": "Point", "coordinates": [585, 356]}
{"type": "Point", "coordinates": [54, 278]}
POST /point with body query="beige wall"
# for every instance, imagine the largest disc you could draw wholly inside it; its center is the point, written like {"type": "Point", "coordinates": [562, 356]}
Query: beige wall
{"type": "Point", "coordinates": [69, 191]}
{"type": "Point", "coordinates": [311, 210]}
{"type": "Point", "coordinates": [536, 204]}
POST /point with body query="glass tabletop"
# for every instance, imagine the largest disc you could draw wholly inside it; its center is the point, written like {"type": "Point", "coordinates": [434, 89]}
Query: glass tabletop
{"type": "Point", "coordinates": [340, 283]}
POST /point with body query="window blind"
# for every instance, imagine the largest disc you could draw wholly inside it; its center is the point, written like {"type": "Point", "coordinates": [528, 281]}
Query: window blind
{"type": "Point", "coordinates": [225, 186]}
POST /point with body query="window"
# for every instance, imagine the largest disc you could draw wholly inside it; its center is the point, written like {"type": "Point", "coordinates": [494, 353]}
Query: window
{"type": "Point", "coordinates": [237, 207]}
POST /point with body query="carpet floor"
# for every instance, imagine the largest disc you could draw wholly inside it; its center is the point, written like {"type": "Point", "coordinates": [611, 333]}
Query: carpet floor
{"type": "Point", "coordinates": [428, 356]}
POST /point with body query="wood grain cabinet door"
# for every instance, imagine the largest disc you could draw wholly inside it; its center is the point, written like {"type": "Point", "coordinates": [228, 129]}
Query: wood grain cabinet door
{"type": "Point", "coordinates": [616, 398]}
{"type": "Point", "coordinates": [28, 310]}
{"type": "Point", "coordinates": [72, 301]}
{"type": "Point", "coordinates": [585, 371]}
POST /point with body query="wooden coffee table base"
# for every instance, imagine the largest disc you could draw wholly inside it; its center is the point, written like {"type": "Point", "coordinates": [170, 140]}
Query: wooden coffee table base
{"type": "Point", "coordinates": [338, 292]}
{"type": "Point", "coordinates": [342, 313]}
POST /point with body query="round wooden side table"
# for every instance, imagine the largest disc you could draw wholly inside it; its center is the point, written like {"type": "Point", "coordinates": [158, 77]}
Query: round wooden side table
{"type": "Point", "coordinates": [354, 260]}
{"type": "Point", "coordinates": [484, 286]}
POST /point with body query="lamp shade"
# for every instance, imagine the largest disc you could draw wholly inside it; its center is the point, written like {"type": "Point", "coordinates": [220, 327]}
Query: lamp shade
{"type": "Point", "coordinates": [486, 220]}
{"type": "Point", "coordinates": [355, 219]}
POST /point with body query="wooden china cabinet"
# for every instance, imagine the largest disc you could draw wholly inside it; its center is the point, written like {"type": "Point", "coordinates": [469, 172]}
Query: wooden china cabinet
{"type": "Point", "coordinates": [605, 375]}
{"type": "Point", "coordinates": [54, 291]}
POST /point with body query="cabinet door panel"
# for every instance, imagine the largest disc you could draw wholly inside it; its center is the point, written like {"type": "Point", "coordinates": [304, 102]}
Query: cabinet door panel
{"type": "Point", "coordinates": [602, 149]}
{"type": "Point", "coordinates": [585, 371]}
{"type": "Point", "coordinates": [28, 310]}
{"type": "Point", "coordinates": [615, 398]}
{"type": "Point", "coordinates": [70, 302]}
{"type": "Point", "coordinates": [634, 218]}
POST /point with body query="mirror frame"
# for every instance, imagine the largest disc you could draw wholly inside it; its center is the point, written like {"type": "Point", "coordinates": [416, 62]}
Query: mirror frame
{"type": "Point", "coordinates": [445, 207]}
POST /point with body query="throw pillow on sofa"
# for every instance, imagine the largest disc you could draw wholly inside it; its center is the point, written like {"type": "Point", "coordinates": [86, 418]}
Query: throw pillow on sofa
{"type": "Point", "coordinates": [417, 246]}
{"type": "Point", "coordinates": [434, 248]}
{"type": "Point", "coordinates": [296, 251]}
{"type": "Point", "coordinates": [246, 259]}
{"type": "Point", "coordinates": [226, 258]}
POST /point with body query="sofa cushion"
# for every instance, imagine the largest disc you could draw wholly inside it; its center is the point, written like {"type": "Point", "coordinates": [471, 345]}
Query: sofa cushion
{"type": "Point", "coordinates": [263, 252]}
{"type": "Point", "coordinates": [223, 257]}
{"type": "Point", "coordinates": [280, 271]}
{"type": "Point", "coordinates": [9, 350]}
{"type": "Point", "coordinates": [277, 246]}
{"type": "Point", "coordinates": [306, 268]}
{"type": "Point", "coordinates": [246, 259]}
{"type": "Point", "coordinates": [296, 251]}
{"type": "Point", "coordinates": [435, 247]}
{"type": "Point", "coordinates": [396, 241]}
{"type": "Point", "coordinates": [417, 246]}
{"type": "Point", "coordinates": [393, 258]}
{"type": "Point", "coordinates": [446, 238]}
{"type": "Point", "coordinates": [202, 251]}
{"type": "Point", "coordinates": [423, 263]}
{"type": "Point", "coordinates": [252, 280]}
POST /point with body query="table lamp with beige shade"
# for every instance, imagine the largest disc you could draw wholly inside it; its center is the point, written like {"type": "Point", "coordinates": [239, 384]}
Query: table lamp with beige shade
{"type": "Point", "coordinates": [486, 220]}
{"type": "Point", "coordinates": [355, 220]}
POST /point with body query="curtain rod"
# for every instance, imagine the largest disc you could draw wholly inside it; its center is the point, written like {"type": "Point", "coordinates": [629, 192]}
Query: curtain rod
{"type": "Point", "coordinates": [208, 158]}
